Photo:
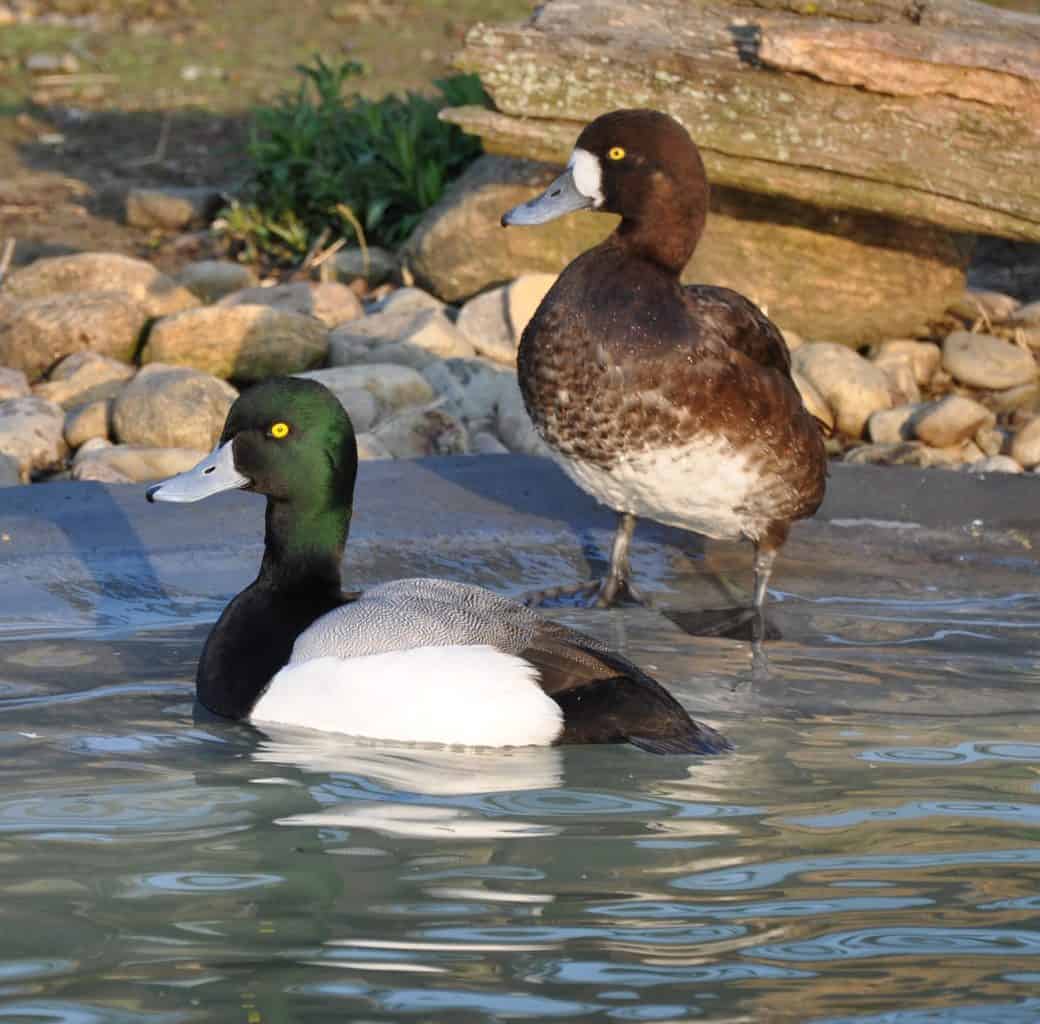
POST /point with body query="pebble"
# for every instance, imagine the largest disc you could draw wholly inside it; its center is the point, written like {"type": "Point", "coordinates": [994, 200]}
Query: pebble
{"type": "Point", "coordinates": [984, 361]}
{"type": "Point", "coordinates": [984, 305]}
{"type": "Point", "coordinates": [131, 463]}
{"type": "Point", "coordinates": [1025, 448]}
{"type": "Point", "coordinates": [172, 407]}
{"type": "Point", "coordinates": [850, 385]}
{"type": "Point", "coordinates": [950, 421]}
{"type": "Point", "coordinates": [244, 343]}
{"type": "Point", "coordinates": [211, 280]}
{"type": "Point", "coordinates": [171, 209]}
{"type": "Point", "coordinates": [31, 432]}
{"type": "Point", "coordinates": [409, 300]}
{"type": "Point", "coordinates": [84, 377]}
{"type": "Point", "coordinates": [37, 333]}
{"type": "Point", "coordinates": [328, 301]}
{"type": "Point", "coordinates": [13, 383]}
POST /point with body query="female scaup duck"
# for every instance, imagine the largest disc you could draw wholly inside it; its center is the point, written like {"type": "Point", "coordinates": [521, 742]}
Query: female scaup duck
{"type": "Point", "coordinates": [662, 400]}
{"type": "Point", "coordinates": [419, 660]}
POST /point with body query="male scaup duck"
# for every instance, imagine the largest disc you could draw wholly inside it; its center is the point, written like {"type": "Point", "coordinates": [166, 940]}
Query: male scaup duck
{"type": "Point", "coordinates": [416, 660]}
{"type": "Point", "coordinates": [662, 400]}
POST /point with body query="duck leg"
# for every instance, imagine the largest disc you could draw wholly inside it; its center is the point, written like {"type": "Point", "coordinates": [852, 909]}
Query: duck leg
{"type": "Point", "coordinates": [608, 591]}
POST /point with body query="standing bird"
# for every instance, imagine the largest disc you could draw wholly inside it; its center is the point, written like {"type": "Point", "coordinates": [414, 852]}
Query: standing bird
{"type": "Point", "coordinates": [662, 400]}
{"type": "Point", "coordinates": [417, 661]}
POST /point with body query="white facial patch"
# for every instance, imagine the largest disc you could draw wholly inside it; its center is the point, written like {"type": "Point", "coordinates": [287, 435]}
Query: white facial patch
{"type": "Point", "coordinates": [588, 175]}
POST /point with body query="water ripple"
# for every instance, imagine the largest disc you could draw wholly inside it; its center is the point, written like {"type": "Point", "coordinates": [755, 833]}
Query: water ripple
{"type": "Point", "coordinates": [1019, 814]}
{"type": "Point", "coordinates": [916, 942]}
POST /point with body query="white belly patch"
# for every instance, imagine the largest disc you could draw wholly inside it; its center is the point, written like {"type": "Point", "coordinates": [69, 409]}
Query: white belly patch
{"type": "Point", "coordinates": [705, 485]}
{"type": "Point", "coordinates": [473, 696]}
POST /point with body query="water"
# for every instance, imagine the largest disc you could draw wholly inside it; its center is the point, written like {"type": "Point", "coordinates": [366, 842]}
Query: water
{"type": "Point", "coordinates": [869, 853]}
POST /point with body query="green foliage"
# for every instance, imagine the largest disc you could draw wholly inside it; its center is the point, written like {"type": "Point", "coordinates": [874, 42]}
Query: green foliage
{"type": "Point", "coordinates": [386, 160]}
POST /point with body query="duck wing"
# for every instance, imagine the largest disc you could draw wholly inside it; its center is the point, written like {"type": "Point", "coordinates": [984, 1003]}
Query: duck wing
{"type": "Point", "coordinates": [725, 315]}
{"type": "Point", "coordinates": [604, 696]}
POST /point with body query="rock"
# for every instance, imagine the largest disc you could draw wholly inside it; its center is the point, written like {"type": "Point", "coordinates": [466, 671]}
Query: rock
{"type": "Point", "coordinates": [129, 463]}
{"type": "Point", "coordinates": [485, 443]}
{"type": "Point", "coordinates": [924, 357]}
{"type": "Point", "coordinates": [412, 339]}
{"type": "Point", "coordinates": [1025, 448]}
{"type": "Point", "coordinates": [87, 422]}
{"type": "Point", "coordinates": [172, 407]}
{"type": "Point", "coordinates": [902, 381]}
{"type": "Point", "coordinates": [362, 406]}
{"type": "Point", "coordinates": [813, 400]}
{"type": "Point", "coordinates": [1025, 396]}
{"type": "Point", "coordinates": [84, 377]}
{"type": "Point", "coordinates": [158, 294]}
{"type": "Point", "coordinates": [10, 471]}
{"type": "Point", "coordinates": [13, 383]}
{"type": "Point", "coordinates": [379, 266]}
{"type": "Point", "coordinates": [395, 386]}
{"type": "Point", "coordinates": [470, 389]}
{"type": "Point", "coordinates": [484, 320]}
{"type": "Point", "coordinates": [976, 304]}
{"type": "Point", "coordinates": [995, 464]}
{"type": "Point", "coordinates": [908, 453]}
{"type": "Point", "coordinates": [331, 303]}
{"type": "Point", "coordinates": [991, 440]}
{"type": "Point", "coordinates": [984, 361]}
{"type": "Point", "coordinates": [408, 300]}
{"type": "Point", "coordinates": [950, 421]}
{"type": "Point", "coordinates": [891, 426]}
{"type": "Point", "coordinates": [213, 279]}
{"type": "Point", "coordinates": [31, 433]}
{"type": "Point", "coordinates": [523, 297]}
{"type": "Point", "coordinates": [370, 447]}
{"type": "Point", "coordinates": [1025, 316]}
{"type": "Point", "coordinates": [36, 333]}
{"type": "Point", "coordinates": [514, 426]}
{"type": "Point", "coordinates": [849, 384]}
{"type": "Point", "coordinates": [852, 268]}
{"type": "Point", "coordinates": [415, 433]}
{"type": "Point", "coordinates": [172, 209]}
{"type": "Point", "coordinates": [247, 343]}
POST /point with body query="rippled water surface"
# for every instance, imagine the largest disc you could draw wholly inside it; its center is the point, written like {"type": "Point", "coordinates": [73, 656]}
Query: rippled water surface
{"type": "Point", "coordinates": [870, 852]}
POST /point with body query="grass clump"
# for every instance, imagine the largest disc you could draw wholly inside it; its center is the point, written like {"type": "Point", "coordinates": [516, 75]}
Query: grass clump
{"type": "Point", "coordinates": [324, 163]}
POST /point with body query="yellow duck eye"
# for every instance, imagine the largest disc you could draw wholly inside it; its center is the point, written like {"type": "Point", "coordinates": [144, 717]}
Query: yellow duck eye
{"type": "Point", "coordinates": [616, 153]}
{"type": "Point", "coordinates": [279, 430]}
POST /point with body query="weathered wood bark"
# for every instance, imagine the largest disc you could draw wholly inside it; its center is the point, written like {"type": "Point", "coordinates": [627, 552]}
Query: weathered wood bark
{"type": "Point", "coordinates": [927, 111]}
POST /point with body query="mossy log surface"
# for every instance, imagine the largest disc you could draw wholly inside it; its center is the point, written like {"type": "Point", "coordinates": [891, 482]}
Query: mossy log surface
{"type": "Point", "coordinates": [924, 111]}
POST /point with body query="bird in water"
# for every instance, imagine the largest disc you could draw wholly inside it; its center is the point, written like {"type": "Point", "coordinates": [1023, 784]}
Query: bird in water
{"type": "Point", "coordinates": [666, 401]}
{"type": "Point", "coordinates": [413, 660]}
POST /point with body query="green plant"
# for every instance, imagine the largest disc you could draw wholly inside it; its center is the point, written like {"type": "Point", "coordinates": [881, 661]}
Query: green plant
{"type": "Point", "coordinates": [319, 157]}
